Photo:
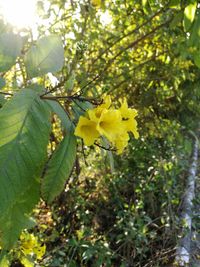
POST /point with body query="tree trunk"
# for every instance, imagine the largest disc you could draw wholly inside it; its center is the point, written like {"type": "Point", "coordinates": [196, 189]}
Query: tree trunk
{"type": "Point", "coordinates": [183, 250]}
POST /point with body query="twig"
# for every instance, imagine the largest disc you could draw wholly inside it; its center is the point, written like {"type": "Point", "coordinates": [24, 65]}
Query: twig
{"type": "Point", "coordinates": [71, 98]}
{"type": "Point", "coordinates": [164, 9]}
{"type": "Point", "coordinates": [105, 148]}
{"type": "Point", "coordinates": [131, 45]}
{"type": "Point", "coordinates": [6, 93]}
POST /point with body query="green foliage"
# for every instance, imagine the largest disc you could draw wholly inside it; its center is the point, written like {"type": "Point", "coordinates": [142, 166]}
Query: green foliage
{"type": "Point", "coordinates": [56, 108]}
{"type": "Point", "coordinates": [128, 217]}
{"type": "Point", "coordinates": [24, 123]}
{"type": "Point", "coordinates": [2, 100]}
{"type": "Point", "coordinates": [174, 3]}
{"type": "Point", "coordinates": [46, 55]}
{"type": "Point", "coordinates": [189, 15]}
{"type": "Point", "coordinates": [10, 48]}
{"type": "Point", "coordinates": [59, 167]}
{"type": "Point", "coordinates": [118, 219]}
{"type": "Point", "coordinates": [2, 82]}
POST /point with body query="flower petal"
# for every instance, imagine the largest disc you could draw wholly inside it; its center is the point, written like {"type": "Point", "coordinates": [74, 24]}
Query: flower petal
{"type": "Point", "coordinates": [86, 129]}
{"type": "Point", "coordinates": [110, 124]}
{"type": "Point", "coordinates": [121, 142]}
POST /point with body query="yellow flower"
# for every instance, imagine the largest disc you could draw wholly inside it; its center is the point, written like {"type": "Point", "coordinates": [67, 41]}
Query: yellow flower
{"type": "Point", "coordinates": [110, 124]}
{"type": "Point", "coordinates": [30, 245]}
{"type": "Point", "coordinates": [106, 102]}
{"type": "Point", "coordinates": [28, 242]}
{"type": "Point", "coordinates": [86, 129]}
{"type": "Point", "coordinates": [95, 114]}
{"type": "Point", "coordinates": [128, 118]}
{"type": "Point", "coordinates": [39, 251]}
{"type": "Point", "coordinates": [121, 142]}
{"type": "Point", "coordinates": [26, 262]}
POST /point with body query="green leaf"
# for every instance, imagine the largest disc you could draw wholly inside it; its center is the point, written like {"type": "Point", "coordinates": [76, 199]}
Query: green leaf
{"type": "Point", "coordinates": [10, 48]}
{"type": "Point", "coordinates": [189, 15]}
{"type": "Point", "coordinates": [47, 55]}
{"type": "Point", "coordinates": [59, 168]}
{"type": "Point", "coordinates": [176, 20]}
{"type": "Point", "coordinates": [195, 32]}
{"type": "Point", "coordinates": [62, 114]}
{"type": "Point", "coordinates": [2, 100]}
{"type": "Point", "coordinates": [80, 107]}
{"type": "Point", "coordinates": [24, 134]}
{"type": "Point", "coordinates": [174, 3]}
{"type": "Point", "coordinates": [2, 82]}
{"type": "Point", "coordinates": [144, 3]}
{"type": "Point", "coordinates": [69, 85]}
{"type": "Point", "coordinates": [197, 59]}
{"type": "Point", "coordinates": [146, 6]}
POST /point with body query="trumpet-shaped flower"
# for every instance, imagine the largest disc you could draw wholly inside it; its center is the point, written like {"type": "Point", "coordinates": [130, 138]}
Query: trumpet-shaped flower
{"type": "Point", "coordinates": [106, 102]}
{"type": "Point", "coordinates": [121, 142]}
{"type": "Point", "coordinates": [86, 129]}
{"type": "Point", "coordinates": [110, 124]}
{"type": "Point", "coordinates": [128, 118]}
{"type": "Point", "coordinates": [95, 113]}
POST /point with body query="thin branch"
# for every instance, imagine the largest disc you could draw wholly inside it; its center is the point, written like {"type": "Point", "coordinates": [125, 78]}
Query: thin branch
{"type": "Point", "coordinates": [71, 98]}
{"type": "Point", "coordinates": [134, 43]}
{"type": "Point", "coordinates": [131, 45]}
{"type": "Point", "coordinates": [164, 9]}
{"type": "Point", "coordinates": [83, 151]}
{"type": "Point", "coordinates": [6, 93]}
{"type": "Point", "coordinates": [105, 148]}
{"type": "Point", "coordinates": [133, 69]}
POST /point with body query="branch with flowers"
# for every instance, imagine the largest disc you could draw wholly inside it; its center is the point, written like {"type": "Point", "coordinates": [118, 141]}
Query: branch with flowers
{"type": "Point", "coordinates": [32, 166]}
{"type": "Point", "coordinates": [105, 121]}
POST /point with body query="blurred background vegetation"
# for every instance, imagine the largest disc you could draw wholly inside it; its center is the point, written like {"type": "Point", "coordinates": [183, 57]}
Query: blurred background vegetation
{"type": "Point", "coordinates": [123, 210]}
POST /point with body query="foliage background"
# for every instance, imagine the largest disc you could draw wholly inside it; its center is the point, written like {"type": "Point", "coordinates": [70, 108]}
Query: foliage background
{"type": "Point", "coordinates": [119, 210]}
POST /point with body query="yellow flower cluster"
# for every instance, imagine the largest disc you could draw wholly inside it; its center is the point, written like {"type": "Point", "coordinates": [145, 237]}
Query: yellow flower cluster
{"type": "Point", "coordinates": [30, 245]}
{"type": "Point", "coordinates": [114, 124]}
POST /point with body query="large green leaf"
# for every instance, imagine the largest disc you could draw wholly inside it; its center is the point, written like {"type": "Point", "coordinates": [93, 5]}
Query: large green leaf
{"type": "Point", "coordinates": [62, 114]}
{"type": "Point", "coordinates": [24, 134]}
{"type": "Point", "coordinates": [61, 163]}
{"type": "Point", "coordinates": [10, 48]}
{"type": "Point", "coordinates": [195, 32]}
{"type": "Point", "coordinates": [47, 55]}
{"type": "Point", "coordinates": [189, 15]}
{"type": "Point", "coordinates": [59, 168]}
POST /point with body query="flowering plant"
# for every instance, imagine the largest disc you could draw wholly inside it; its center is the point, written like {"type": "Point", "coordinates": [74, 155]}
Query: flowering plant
{"type": "Point", "coordinates": [114, 124]}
